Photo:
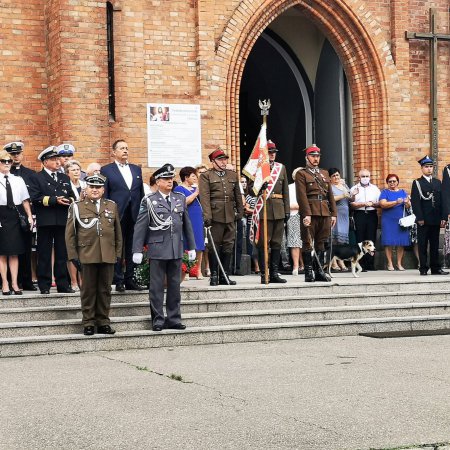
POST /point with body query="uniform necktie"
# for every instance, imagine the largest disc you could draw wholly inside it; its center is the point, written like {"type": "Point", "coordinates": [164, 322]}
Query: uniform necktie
{"type": "Point", "coordinates": [9, 194]}
{"type": "Point", "coordinates": [54, 176]}
{"type": "Point", "coordinates": [97, 205]}
{"type": "Point", "coordinates": [168, 201]}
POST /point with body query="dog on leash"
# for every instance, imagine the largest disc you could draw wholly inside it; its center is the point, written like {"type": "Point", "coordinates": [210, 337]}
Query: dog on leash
{"type": "Point", "coordinates": [352, 253]}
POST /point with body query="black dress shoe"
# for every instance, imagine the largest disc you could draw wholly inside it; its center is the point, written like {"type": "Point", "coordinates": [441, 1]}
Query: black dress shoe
{"type": "Point", "coordinates": [132, 286]}
{"type": "Point", "coordinates": [423, 272]}
{"type": "Point", "coordinates": [105, 329]}
{"type": "Point", "coordinates": [176, 326]}
{"type": "Point", "coordinates": [19, 292]}
{"type": "Point", "coordinates": [439, 272]}
{"type": "Point", "coordinates": [68, 290]}
{"type": "Point", "coordinates": [6, 292]}
{"type": "Point", "coordinates": [45, 291]}
{"type": "Point", "coordinates": [88, 331]}
{"type": "Point", "coordinates": [29, 287]}
{"type": "Point", "coordinates": [120, 287]}
{"type": "Point", "coordinates": [157, 327]}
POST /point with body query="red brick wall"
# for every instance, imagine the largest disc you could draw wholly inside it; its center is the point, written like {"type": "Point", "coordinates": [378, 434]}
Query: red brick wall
{"type": "Point", "coordinates": [53, 67]}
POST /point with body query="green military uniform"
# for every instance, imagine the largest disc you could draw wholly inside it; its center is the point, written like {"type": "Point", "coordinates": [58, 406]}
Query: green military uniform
{"type": "Point", "coordinates": [221, 200]}
{"type": "Point", "coordinates": [95, 239]}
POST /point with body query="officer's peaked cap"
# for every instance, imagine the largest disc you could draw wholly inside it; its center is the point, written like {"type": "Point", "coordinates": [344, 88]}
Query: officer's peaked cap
{"type": "Point", "coordinates": [426, 160]}
{"type": "Point", "coordinates": [217, 154]}
{"type": "Point", "coordinates": [65, 150]}
{"type": "Point", "coordinates": [166, 171]}
{"type": "Point", "coordinates": [312, 150]}
{"type": "Point", "coordinates": [95, 180]}
{"type": "Point", "coordinates": [271, 147]}
{"type": "Point", "coordinates": [14, 147]}
{"type": "Point", "coordinates": [49, 152]}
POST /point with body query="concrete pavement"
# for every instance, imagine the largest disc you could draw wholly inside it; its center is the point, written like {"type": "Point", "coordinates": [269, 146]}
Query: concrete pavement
{"type": "Point", "coordinates": [330, 393]}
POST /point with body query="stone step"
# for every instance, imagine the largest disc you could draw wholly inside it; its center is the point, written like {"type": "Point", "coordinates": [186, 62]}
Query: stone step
{"type": "Point", "coordinates": [291, 289]}
{"type": "Point", "coordinates": [219, 319]}
{"type": "Point", "coordinates": [71, 311]}
{"type": "Point", "coordinates": [76, 343]}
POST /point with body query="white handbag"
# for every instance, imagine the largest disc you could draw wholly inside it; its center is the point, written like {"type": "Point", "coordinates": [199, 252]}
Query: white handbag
{"type": "Point", "coordinates": [407, 221]}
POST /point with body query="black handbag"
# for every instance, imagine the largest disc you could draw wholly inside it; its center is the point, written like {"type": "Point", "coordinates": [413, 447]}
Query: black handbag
{"type": "Point", "coordinates": [22, 221]}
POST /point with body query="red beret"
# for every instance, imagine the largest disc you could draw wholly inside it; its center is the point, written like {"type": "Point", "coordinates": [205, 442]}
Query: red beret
{"type": "Point", "coordinates": [312, 150]}
{"type": "Point", "coordinates": [217, 154]}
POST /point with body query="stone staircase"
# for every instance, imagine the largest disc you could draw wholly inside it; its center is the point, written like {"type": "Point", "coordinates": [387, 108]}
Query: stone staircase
{"type": "Point", "coordinates": [38, 325]}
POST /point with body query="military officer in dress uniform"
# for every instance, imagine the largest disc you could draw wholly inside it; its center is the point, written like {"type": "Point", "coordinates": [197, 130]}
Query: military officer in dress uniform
{"type": "Point", "coordinates": [94, 240]}
{"type": "Point", "coordinates": [51, 195]}
{"type": "Point", "coordinates": [162, 224]}
{"type": "Point", "coordinates": [427, 206]}
{"type": "Point", "coordinates": [15, 149]}
{"type": "Point", "coordinates": [318, 212]}
{"type": "Point", "coordinates": [278, 212]}
{"type": "Point", "coordinates": [221, 200]}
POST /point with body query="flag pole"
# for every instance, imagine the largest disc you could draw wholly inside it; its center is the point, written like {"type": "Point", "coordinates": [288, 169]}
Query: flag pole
{"type": "Point", "coordinates": [265, 113]}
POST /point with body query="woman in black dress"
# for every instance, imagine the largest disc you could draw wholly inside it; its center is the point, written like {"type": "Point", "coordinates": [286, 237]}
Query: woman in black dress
{"type": "Point", "coordinates": [14, 197]}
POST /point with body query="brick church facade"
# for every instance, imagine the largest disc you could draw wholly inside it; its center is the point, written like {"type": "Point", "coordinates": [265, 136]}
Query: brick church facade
{"type": "Point", "coordinates": [55, 82]}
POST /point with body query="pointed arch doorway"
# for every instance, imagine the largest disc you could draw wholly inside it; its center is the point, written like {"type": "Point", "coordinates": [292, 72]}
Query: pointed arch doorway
{"type": "Point", "coordinates": [294, 65]}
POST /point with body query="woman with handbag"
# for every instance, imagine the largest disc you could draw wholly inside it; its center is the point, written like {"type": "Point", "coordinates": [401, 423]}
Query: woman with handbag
{"type": "Point", "coordinates": [394, 202]}
{"type": "Point", "coordinates": [14, 206]}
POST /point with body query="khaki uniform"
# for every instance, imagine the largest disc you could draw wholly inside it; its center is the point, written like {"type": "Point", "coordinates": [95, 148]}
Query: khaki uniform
{"type": "Point", "coordinates": [221, 200]}
{"type": "Point", "coordinates": [278, 207]}
{"type": "Point", "coordinates": [315, 198]}
{"type": "Point", "coordinates": [97, 248]}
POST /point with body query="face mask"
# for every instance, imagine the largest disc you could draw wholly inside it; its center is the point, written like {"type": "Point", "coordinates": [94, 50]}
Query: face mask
{"type": "Point", "coordinates": [365, 181]}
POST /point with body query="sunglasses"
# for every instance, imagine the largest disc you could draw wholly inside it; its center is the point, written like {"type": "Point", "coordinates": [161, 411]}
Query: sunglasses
{"type": "Point", "coordinates": [6, 161]}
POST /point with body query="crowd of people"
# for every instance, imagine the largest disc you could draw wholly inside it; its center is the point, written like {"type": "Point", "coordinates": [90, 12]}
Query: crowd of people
{"type": "Point", "coordinates": [305, 215]}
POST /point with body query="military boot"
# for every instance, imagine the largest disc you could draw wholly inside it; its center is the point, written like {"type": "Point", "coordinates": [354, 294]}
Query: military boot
{"type": "Point", "coordinates": [226, 260]}
{"type": "Point", "coordinates": [309, 272]}
{"type": "Point", "coordinates": [262, 266]}
{"type": "Point", "coordinates": [318, 269]}
{"type": "Point", "coordinates": [214, 278]}
{"type": "Point", "coordinates": [274, 261]}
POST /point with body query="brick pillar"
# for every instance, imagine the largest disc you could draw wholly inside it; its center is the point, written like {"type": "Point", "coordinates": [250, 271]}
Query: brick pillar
{"type": "Point", "coordinates": [77, 70]}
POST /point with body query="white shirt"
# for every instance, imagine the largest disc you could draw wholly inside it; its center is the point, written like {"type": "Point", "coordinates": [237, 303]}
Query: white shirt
{"type": "Point", "coordinates": [51, 173]}
{"type": "Point", "coordinates": [18, 187]}
{"type": "Point", "coordinates": [428, 178]}
{"type": "Point", "coordinates": [126, 173]}
{"type": "Point", "coordinates": [370, 193]}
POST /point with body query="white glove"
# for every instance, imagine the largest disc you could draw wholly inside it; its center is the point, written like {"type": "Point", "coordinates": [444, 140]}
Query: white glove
{"type": "Point", "coordinates": [192, 255]}
{"type": "Point", "coordinates": [137, 258]}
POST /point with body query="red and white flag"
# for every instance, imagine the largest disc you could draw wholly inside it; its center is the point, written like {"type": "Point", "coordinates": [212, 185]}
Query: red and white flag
{"type": "Point", "coordinates": [258, 166]}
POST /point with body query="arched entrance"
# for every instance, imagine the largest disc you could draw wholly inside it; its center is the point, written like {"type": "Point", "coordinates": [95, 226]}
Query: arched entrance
{"type": "Point", "coordinates": [357, 47]}
{"type": "Point", "coordinates": [303, 77]}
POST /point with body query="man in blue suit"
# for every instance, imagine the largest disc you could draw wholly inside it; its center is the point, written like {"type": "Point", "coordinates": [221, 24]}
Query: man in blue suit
{"type": "Point", "coordinates": [125, 187]}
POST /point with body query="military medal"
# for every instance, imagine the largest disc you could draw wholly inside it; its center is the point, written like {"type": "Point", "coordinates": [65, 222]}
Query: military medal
{"type": "Point", "coordinates": [86, 220]}
{"type": "Point", "coordinates": [154, 202]}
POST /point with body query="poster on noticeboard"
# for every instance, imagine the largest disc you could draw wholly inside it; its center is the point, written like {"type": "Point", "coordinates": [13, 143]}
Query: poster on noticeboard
{"type": "Point", "coordinates": [174, 134]}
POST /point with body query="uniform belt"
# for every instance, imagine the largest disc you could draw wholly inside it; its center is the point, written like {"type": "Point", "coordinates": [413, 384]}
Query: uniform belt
{"type": "Point", "coordinates": [223, 199]}
{"type": "Point", "coordinates": [317, 197]}
{"type": "Point", "coordinates": [277, 195]}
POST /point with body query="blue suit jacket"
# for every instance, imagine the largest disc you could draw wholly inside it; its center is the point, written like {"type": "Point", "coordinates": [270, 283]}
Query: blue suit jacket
{"type": "Point", "coordinates": [117, 190]}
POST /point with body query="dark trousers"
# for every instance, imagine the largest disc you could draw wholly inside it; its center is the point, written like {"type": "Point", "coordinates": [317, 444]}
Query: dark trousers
{"type": "Point", "coordinates": [428, 234]}
{"type": "Point", "coordinates": [25, 278]}
{"type": "Point", "coordinates": [238, 246]}
{"type": "Point", "coordinates": [127, 224]}
{"type": "Point", "coordinates": [48, 238]}
{"type": "Point", "coordinates": [95, 293]}
{"type": "Point", "coordinates": [275, 230]}
{"type": "Point", "coordinates": [318, 231]}
{"type": "Point", "coordinates": [366, 224]}
{"type": "Point", "coordinates": [160, 269]}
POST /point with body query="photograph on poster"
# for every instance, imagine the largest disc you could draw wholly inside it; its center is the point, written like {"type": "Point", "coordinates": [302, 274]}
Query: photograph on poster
{"type": "Point", "coordinates": [160, 114]}
{"type": "Point", "coordinates": [174, 135]}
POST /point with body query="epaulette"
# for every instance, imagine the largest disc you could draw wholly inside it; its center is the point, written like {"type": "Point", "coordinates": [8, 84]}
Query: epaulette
{"type": "Point", "coordinates": [177, 193]}
{"type": "Point", "coordinates": [109, 200]}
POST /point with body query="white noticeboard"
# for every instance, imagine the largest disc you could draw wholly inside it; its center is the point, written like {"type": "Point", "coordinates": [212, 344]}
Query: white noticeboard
{"type": "Point", "coordinates": [174, 135]}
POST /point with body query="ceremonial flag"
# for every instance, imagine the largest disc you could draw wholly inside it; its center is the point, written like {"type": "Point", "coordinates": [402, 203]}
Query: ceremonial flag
{"type": "Point", "coordinates": [258, 166]}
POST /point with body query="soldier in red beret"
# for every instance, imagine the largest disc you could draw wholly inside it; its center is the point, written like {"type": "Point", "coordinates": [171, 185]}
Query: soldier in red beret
{"type": "Point", "coordinates": [221, 201]}
{"type": "Point", "coordinates": [318, 211]}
